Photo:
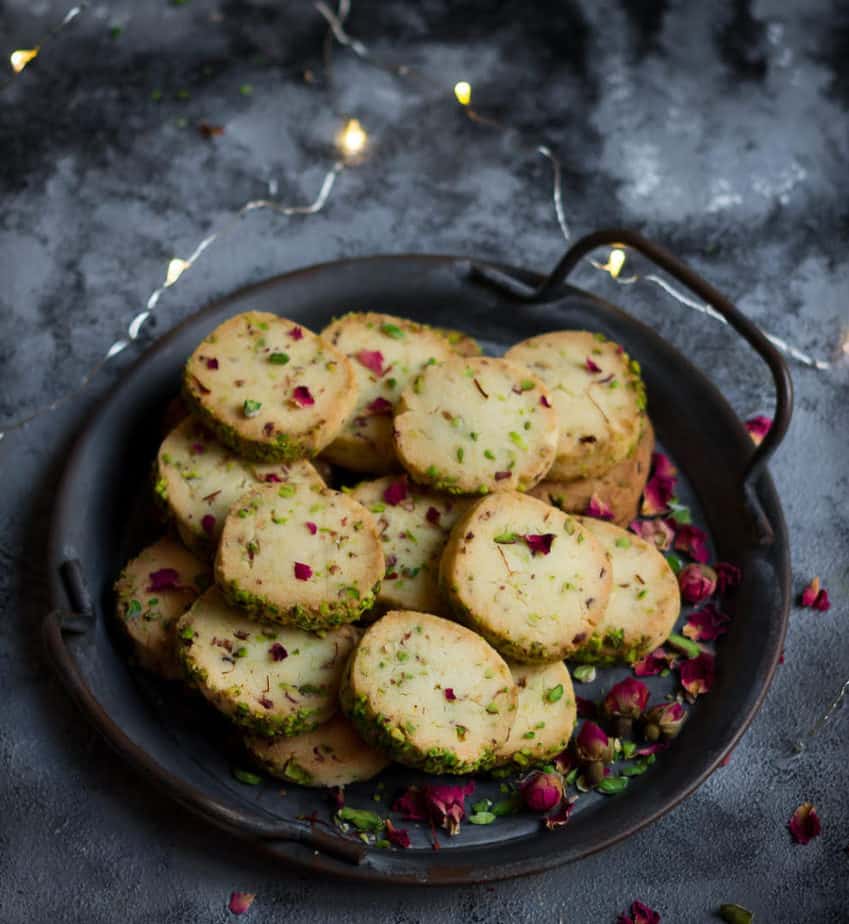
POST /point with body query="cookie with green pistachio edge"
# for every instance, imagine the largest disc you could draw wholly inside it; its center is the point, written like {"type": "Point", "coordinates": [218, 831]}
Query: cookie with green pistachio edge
{"type": "Point", "coordinates": [269, 388]}
{"type": "Point", "coordinates": [461, 343]}
{"type": "Point", "coordinates": [476, 425]}
{"type": "Point", "coordinates": [530, 578]}
{"type": "Point", "coordinates": [198, 479]}
{"type": "Point", "coordinates": [618, 489]}
{"type": "Point", "coordinates": [153, 591]}
{"type": "Point", "coordinates": [430, 693]}
{"type": "Point", "coordinates": [644, 603]}
{"type": "Point", "coordinates": [385, 352]}
{"type": "Point", "coordinates": [598, 394]}
{"type": "Point", "coordinates": [545, 715]}
{"type": "Point", "coordinates": [300, 555]}
{"type": "Point", "coordinates": [331, 755]}
{"type": "Point", "coordinates": [270, 679]}
{"type": "Point", "coordinates": [414, 524]}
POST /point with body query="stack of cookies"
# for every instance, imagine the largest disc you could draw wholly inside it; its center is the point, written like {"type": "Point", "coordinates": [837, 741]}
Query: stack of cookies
{"type": "Point", "coordinates": [424, 614]}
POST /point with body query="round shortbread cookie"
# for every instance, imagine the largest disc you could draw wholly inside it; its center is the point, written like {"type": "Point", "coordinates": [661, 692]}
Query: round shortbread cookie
{"type": "Point", "coordinates": [618, 490]}
{"type": "Point", "coordinates": [430, 693]}
{"type": "Point", "coordinates": [332, 755]}
{"type": "Point", "coordinates": [300, 555]}
{"type": "Point", "coordinates": [385, 352]}
{"type": "Point", "coordinates": [153, 591]}
{"type": "Point", "coordinates": [199, 479]}
{"type": "Point", "coordinates": [461, 344]}
{"type": "Point", "coordinates": [598, 394]}
{"type": "Point", "coordinates": [644, 604]}
{"type": "Point", "coordinates": [269, 388]}
{"type": "Point", "coordinates": [531, 579]}
{"type": "Point", "coordinates": [471, 426]}
{"type": "Point", "coordinates": [545, 715]}
{"type": "Point", "coordinates": [271, 679]}
{"type": "Point", "coordinates": [414, 524]}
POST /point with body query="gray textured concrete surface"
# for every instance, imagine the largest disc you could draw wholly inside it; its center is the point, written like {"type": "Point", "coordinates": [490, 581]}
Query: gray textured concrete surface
{"type": "Point", "coordinates": [719, 129]}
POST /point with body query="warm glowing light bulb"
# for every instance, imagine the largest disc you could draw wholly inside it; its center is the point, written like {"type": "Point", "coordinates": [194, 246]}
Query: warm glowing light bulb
{"type": "Point", "coordinates": [352, 139]}
{"type": "Point", "coordinates": [463, 92]}
{"type": "Point", "coordinates": [176, 268]}
{"type": "Point", "coordinates": [20, 58]}
{"type": "Point", "coordinates": [615, 262]}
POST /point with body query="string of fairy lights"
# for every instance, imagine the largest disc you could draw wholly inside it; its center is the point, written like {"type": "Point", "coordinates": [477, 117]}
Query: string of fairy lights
{"type": "Point", "coordinates": [352, 143]}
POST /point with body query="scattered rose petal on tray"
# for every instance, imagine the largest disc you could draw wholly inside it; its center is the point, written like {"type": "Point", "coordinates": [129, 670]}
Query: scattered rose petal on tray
{"type": "Point", "coordinates": [397, 836]}
{"type": "Point", "coordinates": [240, 902]}
{"type": "Point", "coordinates": [657, 494]}
{"type": "Point", "coordinates": [697, 582]}
{"type": "Point", "coordinates": [655, 663]}
{"type": "Point", "coordinates": [706, 624]}
{"type": "Point", "coordinates": [443, 805]}
{"type": "Point", "coordinates": [560, 818]}
{"type": "Point", "coordinates": [693, 541]}
{"type": "Point", "coordinates": [662, 465]}
{"type": "Point", "coordinates": [728, 576]}
{"type": "Point", "coordinates": [697, 674]}
{"type": "Point", "coordinates": [639, 914]}
{"type": "Point", "coordinates": [804, 823]}
{"type": "Point", "coordinates": [758, 428]}
{"type": "Point", "coordinates": [656, 532]}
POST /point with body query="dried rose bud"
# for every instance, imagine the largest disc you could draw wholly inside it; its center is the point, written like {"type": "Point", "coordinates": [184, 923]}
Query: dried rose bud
{"type": "Point", "coordinates": [758, 428]}
{"type": "Point", "coordinates": [627, 698]}
{"type": "Point", "coordinates": [665, 719]}
{"type": "Point", "coordinates": [593, 744]}
{"type": "Point", "coordinates": [656, 532]}
{"type": "Point", "coordinates": [697, 583]}
{"type": "Point", "coordinates": [542, 791]}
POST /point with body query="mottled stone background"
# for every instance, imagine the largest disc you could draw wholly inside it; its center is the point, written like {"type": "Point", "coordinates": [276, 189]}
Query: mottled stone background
{"type": "Point", "coordinates": [718, 128]}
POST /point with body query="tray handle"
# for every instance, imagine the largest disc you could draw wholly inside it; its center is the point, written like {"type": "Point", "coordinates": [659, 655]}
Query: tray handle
{"type": "Point", "coordinates": [551, 288]}
{"type": "Point", "coordinates": [79, 622]}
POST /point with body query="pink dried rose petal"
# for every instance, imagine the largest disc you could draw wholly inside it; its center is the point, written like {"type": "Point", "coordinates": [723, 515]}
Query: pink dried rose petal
{"type": "Point", "coordinates": [397, 836]}
{"type": "Point", "coordinates": [446, 804]}
{"type": "Point", "coordinates": [662, 465]}
{"type": "Point", "coordinates": [597, 508]}
{"type": "Point", "coordinates": [541, 792]}
{"type": "Point", "coordinates": [271, 478]}
{"type": "Point", "coordinates": [804, 823]}
{"type": "Point", "coordinates": [657, 494]}
{"type": "Point", "coordinates": [647, 749]}
{"type": "Point", "coordinates": [815, 596]}
{"type": "Point", "coordinates": [433, 516]}
{"type": "Point", "coordinates": [656, 532]}
{"type": "Point", "coordinates": [296, 333]}
{"type": "Point", "coordinates": [728, 576]}
{"type": "Point", "coordinates": [654, 663]}
{"type": "Point", "coordinates": [411, 804]}
{"type": "Point", "coordinates": [212, 363]}
{"type": "Point", "coordinates": [697, 583]}
{"type": "Point", "coordinates": [539, 543]}
{"type": "Point", "coordinates": [380, 406]}
{"type": "Point", "coordinates": [628, 698]}
{"type": "Point", "coordinates": [208, 524]}
{"type": "Point", "coordinates": [372, 360]}
{"type": "Point", "coordinates": [693, 541]}
{"type": "Point", "coordinates": [311, 527]}
{"type": "Point", "coordinates": [706, 624]}
{"type": "Point", "coordinates": [560, 817]}
{"type": "Point", "coordinates": [303, 397]}
{"type": "Point", "coordinates": [302, 572]}
{"type": "Point", "coordinates": [164, 579]}
{"type": "Point", "coordinates": [697, 674]}
{"type": "Point", "coordinates": [500, 476]}
{"type": "Point", "coordinates": [563, 762]}
{"type": "Point", "coordinates": [822, 602]}
{"type": "Point", "coordinates": [592, 743]}
{"type": "Point", "coordinates": [544, 401]}
{"type": "Point", "coordinates": [449, 694]}
{"type": "Point", "coordinates": [395, 492]}
{"type": "Point", "coordinates": [240, 902]}
{"type": "Point", "coordinates": [278, 652]}
{"type": "Point", "coordinates": [591, 366]}
{"type": "Point", "coordinates": [758, 428]}
{"type": "Point", "coordinates": [639, 914]}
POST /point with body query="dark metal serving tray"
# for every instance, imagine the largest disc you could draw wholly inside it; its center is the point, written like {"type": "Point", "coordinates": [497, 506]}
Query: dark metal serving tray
{"type": "Point", "coordinates": [95, 529]}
